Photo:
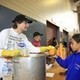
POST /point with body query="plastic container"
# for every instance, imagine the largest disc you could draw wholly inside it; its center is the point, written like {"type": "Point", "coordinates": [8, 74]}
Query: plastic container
{"type": "Point", "coordinates": [7, 71]}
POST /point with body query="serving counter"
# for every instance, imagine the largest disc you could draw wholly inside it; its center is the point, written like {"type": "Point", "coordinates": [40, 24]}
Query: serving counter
{"type": "Point", "coordinates": [56, 69]}
{"type": "Point", "coordinates": [33, 68]}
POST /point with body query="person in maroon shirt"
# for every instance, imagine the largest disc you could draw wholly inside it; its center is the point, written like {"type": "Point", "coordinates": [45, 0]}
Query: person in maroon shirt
{"type": "Point", "coordinates": [37, 39]}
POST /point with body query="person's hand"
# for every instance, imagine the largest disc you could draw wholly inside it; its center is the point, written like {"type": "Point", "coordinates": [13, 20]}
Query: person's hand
{"type": "Point", "coordinates": [11, 53]}
{"type": "Point", "coordinates": [50, 49]}
{"type": "Point", "coordinates": [56, 56]}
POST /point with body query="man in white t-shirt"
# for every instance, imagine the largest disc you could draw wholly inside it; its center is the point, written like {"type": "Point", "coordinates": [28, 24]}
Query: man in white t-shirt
{"type": "Point", "coordinates": [13, 38]}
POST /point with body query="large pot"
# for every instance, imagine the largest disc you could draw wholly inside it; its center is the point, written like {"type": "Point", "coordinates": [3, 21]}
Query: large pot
{"type": "Point", "coordinates": [30, 68]}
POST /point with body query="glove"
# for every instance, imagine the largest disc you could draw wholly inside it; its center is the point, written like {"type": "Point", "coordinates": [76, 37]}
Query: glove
{"type": "Point", "coordinates": [46, 48]}
{"type": "Point", "coordinates": [52, 51]}
{"type": "Point", "coordinates": [10, 53]}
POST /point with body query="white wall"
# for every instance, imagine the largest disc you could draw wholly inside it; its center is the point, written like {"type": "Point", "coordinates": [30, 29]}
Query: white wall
{"type": "Point", "coordinates": [58, 12]}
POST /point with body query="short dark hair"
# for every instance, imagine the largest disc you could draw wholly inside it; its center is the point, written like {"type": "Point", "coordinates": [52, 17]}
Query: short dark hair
{"type": "Point", "coordinates": [14, 26]}
{"type": "Point", "coordinates": [76, 37]}
{"type": "Point", "coordinates": [36, 34]}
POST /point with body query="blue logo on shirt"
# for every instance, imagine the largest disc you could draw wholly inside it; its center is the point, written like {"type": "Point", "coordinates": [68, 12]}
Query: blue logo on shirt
{"type": "Point", "coordinates": [21, 44]}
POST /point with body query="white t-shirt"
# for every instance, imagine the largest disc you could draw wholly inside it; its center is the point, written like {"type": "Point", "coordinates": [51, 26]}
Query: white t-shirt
{"type": "Point", "coordinates": [10, 40]}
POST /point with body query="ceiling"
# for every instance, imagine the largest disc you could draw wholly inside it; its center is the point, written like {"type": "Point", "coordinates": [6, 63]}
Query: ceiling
{"type": "Point", "coordinates": [43, 10]}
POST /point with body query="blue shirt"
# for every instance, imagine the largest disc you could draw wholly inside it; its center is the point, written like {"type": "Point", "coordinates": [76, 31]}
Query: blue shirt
{"type": "Point", "coordinates": [72, 63]}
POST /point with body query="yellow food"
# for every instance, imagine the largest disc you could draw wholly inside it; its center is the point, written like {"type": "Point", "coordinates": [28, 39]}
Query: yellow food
{"type": "Point", "coordinates": [12, 53]}
{"type": "Point", "coordinates": [52, 51]}
{"type": "Point", "coordinates": [46, 48]}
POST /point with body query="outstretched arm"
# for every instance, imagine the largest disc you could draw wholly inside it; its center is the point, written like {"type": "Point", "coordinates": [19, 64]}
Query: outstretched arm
{"type": "Point", "coordinates": [63, 63]}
